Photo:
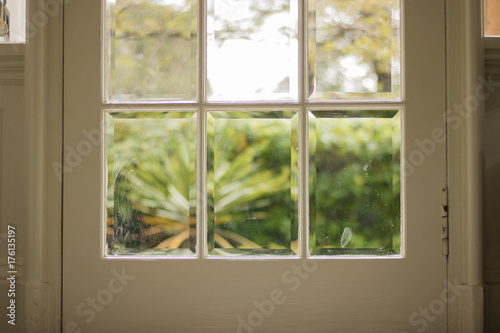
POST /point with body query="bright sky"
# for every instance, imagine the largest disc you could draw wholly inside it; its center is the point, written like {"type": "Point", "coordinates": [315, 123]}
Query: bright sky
{"type": "Point", "coordinates": [251, 69]}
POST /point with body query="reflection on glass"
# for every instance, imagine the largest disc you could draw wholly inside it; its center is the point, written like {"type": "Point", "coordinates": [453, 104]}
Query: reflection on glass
{"type": "Point", "coordinates": [151, 50]}
{"type": "Point", "coordinates": [252, 50]}
{"type": "Point", "coordinates": [151, 190]}
{"type": "Point", "coordinates": [354, 182]}
{"type": "Point", "coordinates": [353, 49]}
{"type": "Point", "coordinates": [252, 183]}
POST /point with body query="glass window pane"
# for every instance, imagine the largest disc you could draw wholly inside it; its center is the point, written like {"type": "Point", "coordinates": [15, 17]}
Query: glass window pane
{"type": "Point", "coordinates": [252, 50]}
{"type": "Point", "coordinates": [13, 22]}
{"type": "Point", "coordinates": [491, 17]}
{"type": "Point", "coordinates": [252, 183]}
{"type": "Point", "coordinates": [151, 191]}
{"type": "Point", "coordinates": [151, 50]}
{"type": "Point", "coordinates": [354, 182]}
{"type": "Point", "coordinates": [353, 49]}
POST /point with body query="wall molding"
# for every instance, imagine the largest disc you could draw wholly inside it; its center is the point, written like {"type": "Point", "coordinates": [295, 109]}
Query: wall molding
{"type": "Point", "coordinates": [492, 276]}
{"type": "Point", "coordinates": [4, 268]}
{"type": "Point", "coordinates": [492, 56]}
{"type": "Point", "coordinates": [465, 63]}
{"type": "Point", "coordinates": [43, 144]}
{"type": "Point", "coordinates": [492, 62]}
{"type": "Point", "coordinates": [11, 69]}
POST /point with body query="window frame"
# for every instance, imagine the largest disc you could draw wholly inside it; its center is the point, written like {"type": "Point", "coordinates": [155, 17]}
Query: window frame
{"type": "Point", "coordinates": [303, 106]}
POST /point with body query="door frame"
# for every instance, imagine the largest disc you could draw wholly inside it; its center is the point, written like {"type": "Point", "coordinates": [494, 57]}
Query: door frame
{"type": "Point", "coordinates": [45, 148]}
{"type": "Point", "coordinates": [465, 67]}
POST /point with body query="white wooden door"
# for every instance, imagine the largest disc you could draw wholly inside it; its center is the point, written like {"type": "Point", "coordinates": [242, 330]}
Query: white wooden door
{"type": "Point", "coordinates": [322, 282]}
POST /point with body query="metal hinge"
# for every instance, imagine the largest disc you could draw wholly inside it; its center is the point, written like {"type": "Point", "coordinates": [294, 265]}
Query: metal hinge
{"type": "Point", "coordinates": [444, 222]}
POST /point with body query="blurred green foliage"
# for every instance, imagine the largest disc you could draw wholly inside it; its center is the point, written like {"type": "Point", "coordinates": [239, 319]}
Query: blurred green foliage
{"type": "Point", "coordinates": [252, 171]}
{"type": "Point", "coordinates": [253, 182]}
{"type": "Point", "coordinates": [366, 32]}
{"type": "Point", "coordinates": [151, 196]}
{"type": "Point", "coordinates": [152, 50]}
{"type": "Point", "coordinates": [355, 181]}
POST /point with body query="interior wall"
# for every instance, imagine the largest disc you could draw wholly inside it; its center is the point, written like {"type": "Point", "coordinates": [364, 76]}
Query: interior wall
{"type": "Point", "coordinates": [12, 183]}
{"type": "Point", "coordinates": [491, 229]}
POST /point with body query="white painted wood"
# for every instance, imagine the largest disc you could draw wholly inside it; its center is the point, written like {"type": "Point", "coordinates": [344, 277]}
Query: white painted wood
{"type": "Point", "coordinates": [465, 68]}
{"type": "Point", "coordinates": [344, 295]}
{"type": "Point", "coordinates": [11, 70]}
{"type": "Point", "coordinates": [12, 189]}
{"type": "Point", "coordinates": [457, 267]}
{"type": "Point", "coordinates": [12, 64]}
{"type": "Point", "coordinates": [474, 148]}
{"type": "Point", "coordinates": [453, 259]}
{"type": "Point", "coordinates": [43, 142]}
{"type": "Point", "coordinates": [36, 126]}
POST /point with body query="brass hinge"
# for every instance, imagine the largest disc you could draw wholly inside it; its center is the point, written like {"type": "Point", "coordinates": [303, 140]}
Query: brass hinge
{"type": "Point", "coordinates": [444, 220]}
